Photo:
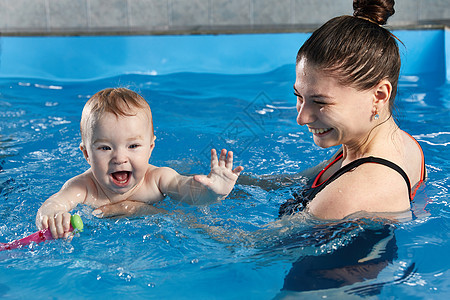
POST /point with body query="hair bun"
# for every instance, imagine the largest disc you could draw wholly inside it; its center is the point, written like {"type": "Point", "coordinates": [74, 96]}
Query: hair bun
{"type": "Point", "coordinates": [377, 11]}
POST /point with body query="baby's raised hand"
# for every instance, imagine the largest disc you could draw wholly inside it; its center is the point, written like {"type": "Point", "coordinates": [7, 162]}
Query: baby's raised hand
{"type": "Point", "coordinates": [222, 177]}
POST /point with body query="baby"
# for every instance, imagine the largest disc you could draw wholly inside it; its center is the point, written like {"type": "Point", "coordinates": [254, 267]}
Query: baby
{"type": "Point", "coordinates": [117, 142]}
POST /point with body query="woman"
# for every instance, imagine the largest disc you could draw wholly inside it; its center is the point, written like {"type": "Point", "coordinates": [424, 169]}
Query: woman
{"type": "Point", "coordinates": [346, 81]}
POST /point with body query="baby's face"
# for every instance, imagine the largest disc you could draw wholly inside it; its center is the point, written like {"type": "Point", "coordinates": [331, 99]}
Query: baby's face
{"type": "Point", "coordinates": [119, 150]}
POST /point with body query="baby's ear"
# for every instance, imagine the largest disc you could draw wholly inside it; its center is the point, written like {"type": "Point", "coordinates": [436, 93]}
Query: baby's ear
{"type": "Point", "coordinates": [152, 145]}
{"type": "Point", "coordinates": [83, 149]}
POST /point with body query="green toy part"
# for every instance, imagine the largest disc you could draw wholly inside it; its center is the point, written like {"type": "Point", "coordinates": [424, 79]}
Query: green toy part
{"type": "Point", "coordinates": [77, 223]}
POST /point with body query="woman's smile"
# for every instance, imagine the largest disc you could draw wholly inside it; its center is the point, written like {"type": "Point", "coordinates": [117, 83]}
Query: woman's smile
{"type": "Point", "coordinates": [319, 131]}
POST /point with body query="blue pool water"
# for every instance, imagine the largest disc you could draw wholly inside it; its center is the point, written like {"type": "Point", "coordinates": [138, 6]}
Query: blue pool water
{"type": "Point", "coordinates": [224, 251]}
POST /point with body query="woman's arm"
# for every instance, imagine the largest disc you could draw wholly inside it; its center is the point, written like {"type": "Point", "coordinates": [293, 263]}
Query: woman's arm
{"type": "Point", "coordinates": [273, 182]}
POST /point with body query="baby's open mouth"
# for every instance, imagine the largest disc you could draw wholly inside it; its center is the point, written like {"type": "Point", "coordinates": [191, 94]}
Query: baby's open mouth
{"type": "Point", "coordinates": [121, 178]}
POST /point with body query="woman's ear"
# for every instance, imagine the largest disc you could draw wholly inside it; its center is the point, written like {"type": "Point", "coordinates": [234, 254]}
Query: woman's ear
{"type": "Point", "coordinates": [382, 93]}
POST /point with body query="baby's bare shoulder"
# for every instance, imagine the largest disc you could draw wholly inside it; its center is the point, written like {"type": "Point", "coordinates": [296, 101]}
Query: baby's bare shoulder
{"type": "Point", "coordinates": [164, 179]}
{"type": "Point", "coordinates": [78, 182]}
{"type": "Point", "coordinates": [160, 173]}
{"type": "Point", "coordinates": [84, 185]}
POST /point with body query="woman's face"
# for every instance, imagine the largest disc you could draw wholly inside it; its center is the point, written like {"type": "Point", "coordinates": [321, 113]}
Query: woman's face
{"type": "Point", "coordinates": [334, 114]}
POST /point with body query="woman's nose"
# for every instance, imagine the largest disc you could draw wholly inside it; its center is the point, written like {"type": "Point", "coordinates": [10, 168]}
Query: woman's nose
{"type": "Point", "coordinates": [305, 114]}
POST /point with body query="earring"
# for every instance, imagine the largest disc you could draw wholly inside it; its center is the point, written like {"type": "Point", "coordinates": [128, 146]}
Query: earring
{"type": "Point", "coordinates": [376, 116]}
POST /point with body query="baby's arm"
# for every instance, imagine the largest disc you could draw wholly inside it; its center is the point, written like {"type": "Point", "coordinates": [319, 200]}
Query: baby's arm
{"type": "Point", "coordinates": [197, 190]}
{"type": "Point", "coordinates": [54, 213]}
{"type": "Point", "coordinates": [202, 189]}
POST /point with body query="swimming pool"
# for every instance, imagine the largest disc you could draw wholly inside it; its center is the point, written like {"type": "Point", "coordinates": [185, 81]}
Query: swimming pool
{"type": "Point", "coordinates": [204, 91]}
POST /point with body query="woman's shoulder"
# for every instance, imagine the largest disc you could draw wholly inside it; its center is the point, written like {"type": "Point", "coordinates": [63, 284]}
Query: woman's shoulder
{"type": "Point", "coordinates": [403, 150]}
{"type": "Point", "coordinates": [408, 155]}
{"type": "Point", "coordinates": [414, 164]}
{"type": "Point", "coordinates": [369, 187]}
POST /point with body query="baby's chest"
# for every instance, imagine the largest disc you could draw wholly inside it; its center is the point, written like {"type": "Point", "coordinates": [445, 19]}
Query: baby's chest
{"type": "Point", "coordinates": [147, 194]}
{"type": "Point", "coordinates": [96, 201]}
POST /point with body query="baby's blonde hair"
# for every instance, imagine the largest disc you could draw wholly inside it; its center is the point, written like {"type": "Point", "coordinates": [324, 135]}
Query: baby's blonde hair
{"type": "Point", "coordinates": [119, 101]}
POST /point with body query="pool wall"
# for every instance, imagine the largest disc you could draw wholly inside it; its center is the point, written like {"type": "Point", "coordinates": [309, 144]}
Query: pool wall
{"type": "Point", "coordinates": [94, 17]}
{"type": "Point", "coordinates": [78, 58]}
{"type": "Point", "coordinates": [73, 39]}
{"type": "Point", "coordinates": [447, 52]}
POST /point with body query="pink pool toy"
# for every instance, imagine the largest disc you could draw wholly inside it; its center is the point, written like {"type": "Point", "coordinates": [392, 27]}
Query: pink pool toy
{"type": "Point", "coordinates": [76, 225]}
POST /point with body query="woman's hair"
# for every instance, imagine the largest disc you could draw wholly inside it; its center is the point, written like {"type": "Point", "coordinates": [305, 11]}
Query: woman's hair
{"type": "Point", "coordinates": [118, 101]}
{"type": "Point", "coordinates": [356, 49]}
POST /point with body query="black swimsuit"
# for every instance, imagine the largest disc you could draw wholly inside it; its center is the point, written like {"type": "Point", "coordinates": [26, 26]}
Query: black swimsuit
{"type": "Point", "coordinates": [306, 195]}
